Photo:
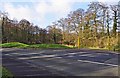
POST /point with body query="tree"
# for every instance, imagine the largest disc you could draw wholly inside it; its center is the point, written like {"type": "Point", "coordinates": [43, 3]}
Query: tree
{"type": "Point", "coordinates": [95, 9]}
{"type": "Point", "coordinates": [114, 8]}
{"type": "Point", "coordinates": [75, 22]}
{"type": "Point", "coordinates": [62, 24]}
{"type": "Point", "coordinates": [55, 33]}
{"type": "Point", "coordinates": [104, 13]}
{"type": "Point", "coordinates": [85, 28]}
{"type": "Point", "coordinates": [24, 26]}
{"type": "Point", "coordinates": [4, 19]}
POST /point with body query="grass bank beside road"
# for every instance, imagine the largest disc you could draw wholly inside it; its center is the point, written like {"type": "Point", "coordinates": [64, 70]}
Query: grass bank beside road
{"type": "Point", "coordinates": [52, 46]}
{"type": "Point", "coordinates": [13, 44]}
{"type": "Point", "coordinates": [5, 73]}
{"type": "Point", "coordinates": [22, 45]}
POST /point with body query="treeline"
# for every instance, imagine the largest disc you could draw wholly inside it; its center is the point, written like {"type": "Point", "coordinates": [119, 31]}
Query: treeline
{"type": "Point", "coordinates": [25, 32]}
{"type": "Point", "coordinates": [97, 26]}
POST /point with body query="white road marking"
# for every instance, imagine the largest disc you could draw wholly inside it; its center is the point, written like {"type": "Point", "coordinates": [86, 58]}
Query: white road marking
{"type": "Point", "coordinates": [72, 53]}
{"type": "Point", "coordinates": [86, 55]}
{"type": "Point", "coordinates": [44, 56]}
{"type": "Point", "coordinates": [82, 52]}
{"type": "Point", "coordinates": [8, 54]}
{"type": "Point", "coordinates": [58, 50]}
{"type": "Point", "coordinates": [65, 54]}
{"type": "Point", "coordinates": [15, 53]}
{"type": "Point", "coordinates": [106, 54]}
{"type": "Point", "coordinates": [90, 55]}
{"type": "Point", "coordinates": [25, 53]}
{"type": "Point", "coordinates": [47, 56]}
{"type": "Point", "coordinates": [1, 49]}
{"type": "Point", "coordinates": [97, 62]}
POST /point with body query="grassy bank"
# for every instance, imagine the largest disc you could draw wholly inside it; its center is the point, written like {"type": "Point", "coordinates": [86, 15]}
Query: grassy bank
{"type": "Point", "coordinates": [5, 73]}
{"type": "Point", "coordinates": [47, 46]}
{"type": "Point", "coordinates": [14, 44]}
{"type": "Point", "coordinates": [22, 45]}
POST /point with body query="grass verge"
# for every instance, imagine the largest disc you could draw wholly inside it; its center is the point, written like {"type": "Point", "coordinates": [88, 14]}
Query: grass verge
{"type": "Point", "coordinates": [47, 46]}
{"type": "Point", "coordinates": [14, 44]}
{"type": "Point", "coordinates": [5, 73]}
{"type": "Point", "coordinates": [22, 45]}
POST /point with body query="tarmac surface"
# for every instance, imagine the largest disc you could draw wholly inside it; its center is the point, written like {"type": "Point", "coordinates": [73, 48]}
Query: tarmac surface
{"type": "Point", "coordinates": [60, 62]}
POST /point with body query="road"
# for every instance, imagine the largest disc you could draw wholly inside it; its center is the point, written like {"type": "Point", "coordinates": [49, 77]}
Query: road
{"type": "Point", "coordinates": [60, 62]}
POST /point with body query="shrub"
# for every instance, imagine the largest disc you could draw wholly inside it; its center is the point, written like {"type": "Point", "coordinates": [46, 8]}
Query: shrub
{"type": "Point", "coordinates": [117, 47]}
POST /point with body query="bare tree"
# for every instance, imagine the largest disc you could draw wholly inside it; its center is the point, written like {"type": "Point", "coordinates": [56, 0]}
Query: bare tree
{"type": "Point", "coordinates": [114, 8]}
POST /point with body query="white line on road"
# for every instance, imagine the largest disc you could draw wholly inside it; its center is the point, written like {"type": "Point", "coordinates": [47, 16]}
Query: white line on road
{"type": "Point", "coordinates": [97, 62]}
{"type": "Point", "coordinates": [33, 57]}
{"type": "Point", "coordinates": [1, 49]}
{"type": "Point", "coordinates": [72, 53]}
{"type": "Point", "coordinates": [25, 53]}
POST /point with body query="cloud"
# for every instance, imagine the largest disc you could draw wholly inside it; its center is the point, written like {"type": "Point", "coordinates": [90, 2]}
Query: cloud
{"type": "Point", "coordinates": [38, 11]}
{"type": "Point", "coordinates": [46, 0]}
{"type": "Point", "coordinates": [59, 8]}
{"type": "Point", "coordinates": [18, 12]}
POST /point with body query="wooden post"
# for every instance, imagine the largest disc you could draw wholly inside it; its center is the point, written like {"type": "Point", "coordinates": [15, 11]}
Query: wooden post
{"type": "Point", "coordinates": [79, 40]}
{"type": "Point", "coordinates": [108, 42]}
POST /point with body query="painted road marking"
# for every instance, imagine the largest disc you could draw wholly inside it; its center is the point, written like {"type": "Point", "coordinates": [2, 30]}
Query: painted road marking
{"type": "Point", "coordinates": [1, 50]}
{"type": "Point", "coordinates": [72, 53]}
{"type": "Point", "coordinates": [88, 54]}
{"type": "Point", "coordinates": [33, 57]}
{"type": "Point", "coordinates": [58, 50]}
{"type": "Point", "coordinates": [25, 53]}
{"type": "Point", "coordinates": [97, 63]}
{"type": "Point", "coordinates": [14, 53]}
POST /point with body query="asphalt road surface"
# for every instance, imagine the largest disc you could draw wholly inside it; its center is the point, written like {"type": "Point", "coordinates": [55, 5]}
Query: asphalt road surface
{"type": "Point", "coordinates": [60, 62]}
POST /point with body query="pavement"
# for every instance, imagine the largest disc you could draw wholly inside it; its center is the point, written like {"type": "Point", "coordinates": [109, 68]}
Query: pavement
{"type": "Point", "coordinates": [60, 62]}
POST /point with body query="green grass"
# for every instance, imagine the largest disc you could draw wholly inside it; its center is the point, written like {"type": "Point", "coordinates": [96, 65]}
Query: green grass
{"type": "Point", "coordinates": [47, 46]}
{"type": "Point", "coordinates": [42, 46]}
{"type": "Point", "coordinates": [5, 73]}
{"type": "Point", "coordinates": [14, 44]}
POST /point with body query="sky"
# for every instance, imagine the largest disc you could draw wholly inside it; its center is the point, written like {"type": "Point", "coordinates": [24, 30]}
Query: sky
{"type": "Point", "coordinates": [43, 12]}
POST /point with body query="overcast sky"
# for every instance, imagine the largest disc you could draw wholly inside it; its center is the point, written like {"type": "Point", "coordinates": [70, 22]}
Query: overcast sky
{"type": "Point", "coordinates": [43, 12]}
